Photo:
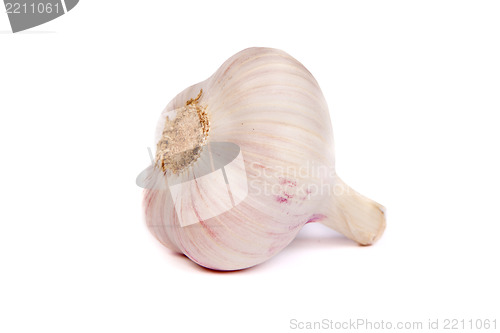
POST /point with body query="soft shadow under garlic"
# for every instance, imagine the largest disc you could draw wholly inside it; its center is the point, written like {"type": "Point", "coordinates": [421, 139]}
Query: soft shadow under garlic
{"type": "Point", "coordinates": [313, 236]}
{"type": "Point", "coordinates": [318, 236]}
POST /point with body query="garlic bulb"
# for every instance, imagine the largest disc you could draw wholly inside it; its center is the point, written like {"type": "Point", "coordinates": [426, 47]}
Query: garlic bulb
{"type": "Point", "coordinates": [245, 159]}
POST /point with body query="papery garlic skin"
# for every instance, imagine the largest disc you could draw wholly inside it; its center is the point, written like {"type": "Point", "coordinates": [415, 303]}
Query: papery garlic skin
{"type": "Point", "coordinates": [268, 104]}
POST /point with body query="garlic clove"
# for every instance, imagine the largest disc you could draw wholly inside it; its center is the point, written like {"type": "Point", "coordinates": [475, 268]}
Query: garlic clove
{"type": "Point", "coordinates": [355, 216]}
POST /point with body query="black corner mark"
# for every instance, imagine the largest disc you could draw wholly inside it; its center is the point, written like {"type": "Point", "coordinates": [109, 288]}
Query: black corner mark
{"type": "Point", "coordinates": [26, 14]}
{"type": "Point", "coordinates": [70, 4]}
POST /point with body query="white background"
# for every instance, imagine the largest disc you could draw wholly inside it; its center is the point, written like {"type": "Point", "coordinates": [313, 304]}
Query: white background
{"type": "Point", "coordinates": [414, 94]}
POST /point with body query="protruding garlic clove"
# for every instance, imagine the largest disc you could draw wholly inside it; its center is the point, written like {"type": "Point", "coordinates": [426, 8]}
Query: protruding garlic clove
{"type": "Point", "coordinates": [244, 160]}
{"type": "Point", "coordinates": [354, 215]}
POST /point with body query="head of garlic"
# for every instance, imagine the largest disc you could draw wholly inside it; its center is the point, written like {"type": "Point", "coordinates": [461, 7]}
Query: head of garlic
{"type": "Point", "coordinates": [244, 159]}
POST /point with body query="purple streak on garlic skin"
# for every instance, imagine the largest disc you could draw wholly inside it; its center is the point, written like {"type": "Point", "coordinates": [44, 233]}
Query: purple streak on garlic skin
{"type": "Point", "coordinates": [316, 218]}
{"type": "Point", "coordinates": [281, 199]}
{"type": "Point", "coordinates": [272, 108]}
